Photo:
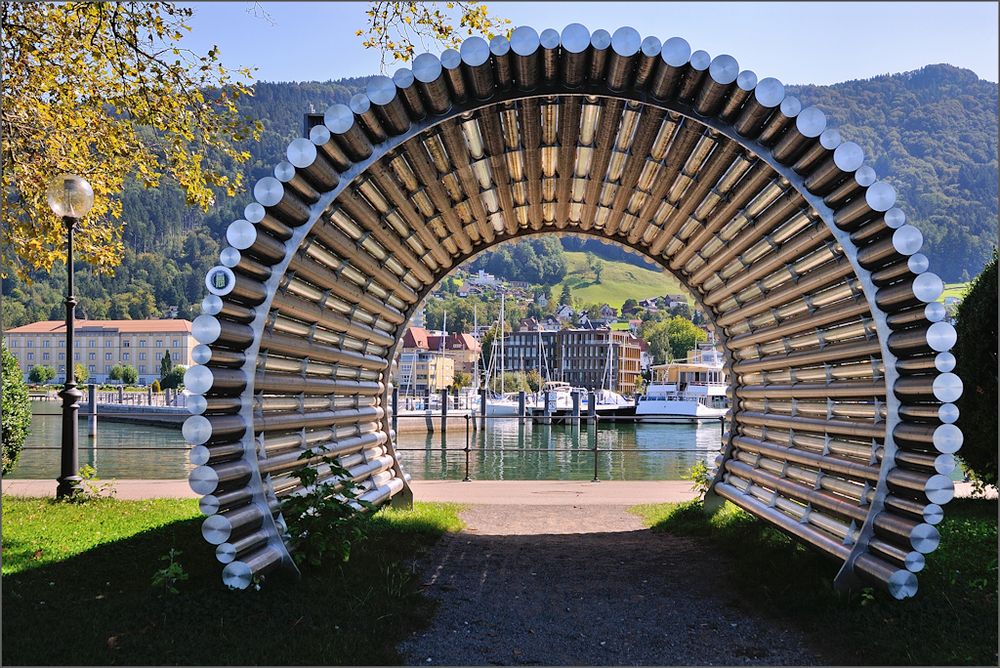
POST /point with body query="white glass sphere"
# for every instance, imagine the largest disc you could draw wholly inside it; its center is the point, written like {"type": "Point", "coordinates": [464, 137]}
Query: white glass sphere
{"type": "Point", "coordinates": [70, 195]}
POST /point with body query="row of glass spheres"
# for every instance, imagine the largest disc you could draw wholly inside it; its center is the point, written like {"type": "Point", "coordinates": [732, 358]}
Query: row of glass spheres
{"type": "Point", "coordinates": [70, 196]}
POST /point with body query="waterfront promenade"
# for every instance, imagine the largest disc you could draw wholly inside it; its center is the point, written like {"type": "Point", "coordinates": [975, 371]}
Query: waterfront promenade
{"type": "Point", "coordinates": [477, 492]}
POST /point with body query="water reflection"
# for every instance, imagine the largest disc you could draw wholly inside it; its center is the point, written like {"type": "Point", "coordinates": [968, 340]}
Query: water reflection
{"type": "Point", "coordinates": [561, 452]}
{"type": "Point", "coordinates": [534, 451]}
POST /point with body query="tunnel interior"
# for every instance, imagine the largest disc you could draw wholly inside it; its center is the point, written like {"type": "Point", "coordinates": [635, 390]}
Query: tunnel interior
{"type": "Point", "coordinates": [842, 425]}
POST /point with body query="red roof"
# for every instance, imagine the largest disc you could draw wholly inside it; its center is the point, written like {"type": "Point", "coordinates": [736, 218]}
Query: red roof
{"type": "Point", "coordinates": [122, 326]}
{"type": "Point", "coordinates": [416, 337]}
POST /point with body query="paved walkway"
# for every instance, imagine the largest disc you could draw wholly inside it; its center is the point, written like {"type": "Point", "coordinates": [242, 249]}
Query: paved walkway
{"type": "Point", "coordinates": [488, 492]}
{"type": "Point", "coordinates": [586, 585]}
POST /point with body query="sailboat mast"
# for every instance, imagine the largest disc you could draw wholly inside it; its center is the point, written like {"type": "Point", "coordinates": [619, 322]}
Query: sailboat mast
{"type": "Point", "coordinates": [503, 296]}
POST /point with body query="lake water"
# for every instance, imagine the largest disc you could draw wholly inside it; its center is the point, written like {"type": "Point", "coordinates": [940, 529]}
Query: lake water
{"type": "Point", "coordinates": [546, 452]}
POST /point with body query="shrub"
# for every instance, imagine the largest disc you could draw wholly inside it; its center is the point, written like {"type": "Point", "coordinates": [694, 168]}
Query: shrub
{"type": "Point", "coordinates": [129, 375]}
{"type": "Point", "coordinates": [156, 386]}
{"type": "Point", "coordinates": [81, 373]}
{"type": "Point", "coordinates": [175, 378]}
{"type": "Point", "coordinates": [15, 410]}
{"type": "Point", "coordinates": [976, 354]}
{"type": "Point", "coordinates": [41, 374]}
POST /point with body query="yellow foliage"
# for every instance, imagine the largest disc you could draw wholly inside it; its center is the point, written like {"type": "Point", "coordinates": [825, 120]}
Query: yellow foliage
{"type": "Point", "coordinates": [393, 27]}
{"type": "Point", "coordinates": [106, 90]}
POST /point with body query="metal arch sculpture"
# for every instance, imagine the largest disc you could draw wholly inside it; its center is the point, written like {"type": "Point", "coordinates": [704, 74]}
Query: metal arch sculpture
{"type": "Point", "coordinates": [842, 429]}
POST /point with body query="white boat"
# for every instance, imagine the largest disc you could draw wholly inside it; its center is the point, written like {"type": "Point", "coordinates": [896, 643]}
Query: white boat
{"type": "Point", "coordinates": [501, 405]}
{"type": "Point", "coordinates": [611, 403]}
{"type": "Point", "coordinates": [693, 388]}
{"type": "Point", "coordinates": [556, 395]}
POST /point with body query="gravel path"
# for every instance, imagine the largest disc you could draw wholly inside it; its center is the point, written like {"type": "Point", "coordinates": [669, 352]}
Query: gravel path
{"type": "Point", "coordinates": [575, 585]}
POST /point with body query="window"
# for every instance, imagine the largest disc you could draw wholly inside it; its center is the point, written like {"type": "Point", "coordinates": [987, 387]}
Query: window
{"type": "Point", "coordinates": [31, 356]}
{"type": "Point", "coordinates": [92, 368]}
{"type": "Point", "coordinates": [45, 343]}
{"type": "Point", "coordinates": [30, 367]}
{"type": "Point", "coordinates": [107, 368]}
{"type": "Point", "coordinates": [142, 343]}
{"type": "Point", "coordinates": [173, 344]}
{"type": "Point", "coordinates": [142, 368]}
{"type": "Point", "coordinates": [109, 343]}
{"type": "Point", "coordinates": [91, 343]}
{"type": "Point", "coordinates": [125, 356]}
{"type": "Point", "coordinates": [158, 356]}
{"type": "Point", "coordinates": [142, 356]}
{"type": "Point", "coordinates": [30, 344]}
{"type": "Point", "coordinates": [159, 343]}
{"type": "Point", "coordinates": [107, 357]}
{"type": "Point", "coordinates": [92, 356]}
{"type": "Point", "coordinates": [45, 356]}
{"type": "Point", "coordinates": [126, 343]}
{"type": "Point", "coordinates": [15, 343]}
{"type": "Point", "coordinates": [62, 357]}
{"type": "Point", "coordinates": [76, 344]}
{"type": "Point", "coordinates": [76, 356]}
{"type": "Point", "coordinates": [62, 344]}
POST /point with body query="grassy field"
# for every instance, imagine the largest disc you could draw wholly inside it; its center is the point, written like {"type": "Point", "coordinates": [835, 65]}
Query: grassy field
{"type": "Point", "coordinates": [77, 590]}
{"type": "Point", "coordinates": [951, 621]}
{"type": "Point", "coordinates": [956, 290]}
{"type": "Point", "coordinates": [619, 281]}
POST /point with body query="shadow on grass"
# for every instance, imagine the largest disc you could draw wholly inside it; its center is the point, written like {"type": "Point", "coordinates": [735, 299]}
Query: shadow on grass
{"type": "Point", "coordinates": [99, 607]}
{"type": "Point", "coordinates": [951, 621]}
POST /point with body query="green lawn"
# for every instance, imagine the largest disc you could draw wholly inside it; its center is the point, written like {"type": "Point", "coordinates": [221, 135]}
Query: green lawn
{"type": "Point", "coordinates": [952, 620]}
{"type": "Point", "coordinates": [956, 290]}
{"type": "Point", "coordinates": [77, 590]}
{"type": "Point", "coordinates": [619, 281]}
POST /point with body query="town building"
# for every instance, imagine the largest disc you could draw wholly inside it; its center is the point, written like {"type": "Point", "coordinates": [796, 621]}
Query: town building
{"type": "Point", "coordinates": [420, 371]}
{"type": "Point", "coordinates": [429, 360]}
{"type": "Point", "coordinates": [101, 344]}
{"type": "Point", "coordinates": [589, 358]}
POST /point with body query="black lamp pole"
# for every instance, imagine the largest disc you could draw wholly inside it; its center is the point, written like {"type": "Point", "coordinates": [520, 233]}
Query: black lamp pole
{"type": "Point", "coordinates": [69, 479]}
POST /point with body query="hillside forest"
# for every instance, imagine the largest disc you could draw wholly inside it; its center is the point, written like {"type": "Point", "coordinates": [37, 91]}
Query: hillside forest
{"type": "Point", "coordinates": [932, 132]}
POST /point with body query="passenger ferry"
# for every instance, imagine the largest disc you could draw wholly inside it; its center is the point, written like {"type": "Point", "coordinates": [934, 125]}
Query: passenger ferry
{"type": "Point", "coordinates": [693, 388]}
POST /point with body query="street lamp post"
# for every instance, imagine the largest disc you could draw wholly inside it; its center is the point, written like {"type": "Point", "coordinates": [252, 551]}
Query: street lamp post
{"type": "Point", "coordinates": [70, 197]}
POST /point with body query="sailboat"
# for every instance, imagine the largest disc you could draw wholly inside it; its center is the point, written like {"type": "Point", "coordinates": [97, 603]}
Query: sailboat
{"type": "Point", "coordinates": [607, 401]}
{"type": "Point", "coordinates": [499, 404]}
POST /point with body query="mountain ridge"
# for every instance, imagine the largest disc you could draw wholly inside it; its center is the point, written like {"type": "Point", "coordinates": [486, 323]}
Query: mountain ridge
{"type": "Point", "coordinates": [930, 132]}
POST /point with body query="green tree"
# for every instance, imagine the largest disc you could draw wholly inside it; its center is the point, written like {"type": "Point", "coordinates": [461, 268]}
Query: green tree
{"type": "Point", "coordinates": [658, 338]}
{"type": "Point", "coordinates": [684, 336]}
{"type": "Point", "coordinates": [461, 379]}
{"type": "Point", "coordinates": [110, 91]}
{"type": "Point", "coordinates": [15, 410]}
{"type": "Point", "coordinates": [166, 364]}
{"type": "Point", "coordinates": [115, 373]}
{"type": "Point", "coordinates": [129, 375]}
{"type": "Point", "coordinates": [81, 373]}
{"type": "Point", "coordinates": [976, 357]}
{"type": "Point", "coordinates": [174, 379]}
{"type": "Point", "coordinates": [41, 374]}
{"type": "Point", "coordinates": [598, 268]}
{"type": "Point", "coordinates": [566, 296]}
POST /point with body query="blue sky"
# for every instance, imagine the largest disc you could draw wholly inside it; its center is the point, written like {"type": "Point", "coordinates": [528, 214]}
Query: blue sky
{"type": "Point", "coordinates": [797, 42]}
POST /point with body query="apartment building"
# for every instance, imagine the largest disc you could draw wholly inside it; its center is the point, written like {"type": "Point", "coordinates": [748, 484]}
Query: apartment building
{"type": "Point", "coordinates": [588, 358]}
{"type": "Point", "coordinates": [101, 344]}
{"type": "Point", "coordinates": [420, 371]}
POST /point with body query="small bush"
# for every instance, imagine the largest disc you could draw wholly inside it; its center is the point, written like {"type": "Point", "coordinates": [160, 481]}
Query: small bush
{"type": "Point", "coordinates": [976, 355]}
{"type": "Point", "coordinates": [156, 386]}
{"type": "Point", "coordinates": [15, 410]}
{"type": "Point", "coordinates": [41, 374]}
